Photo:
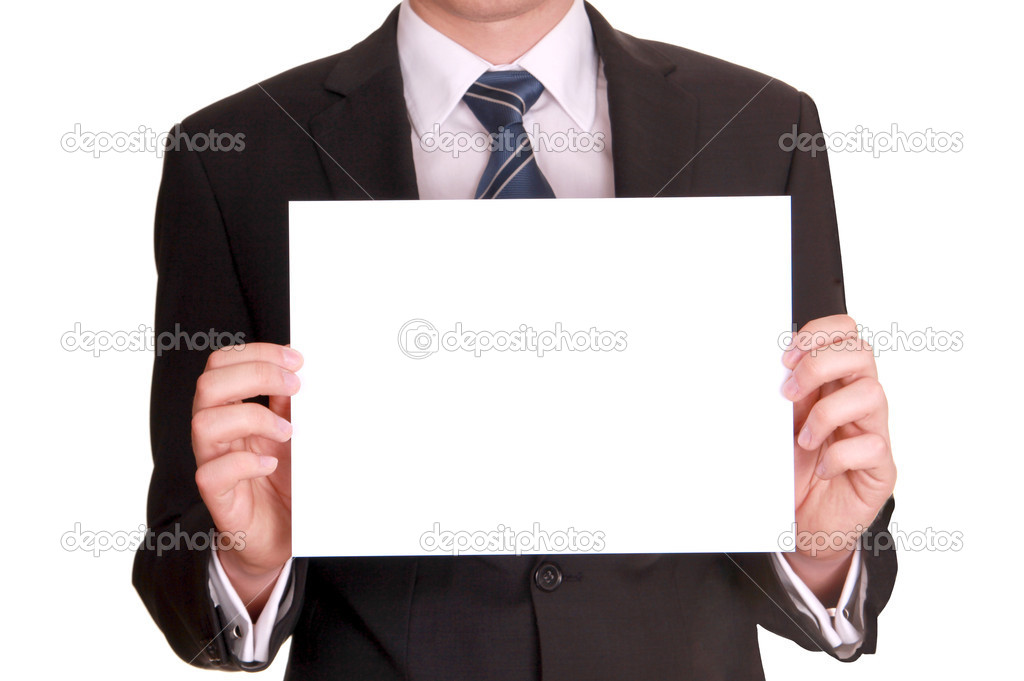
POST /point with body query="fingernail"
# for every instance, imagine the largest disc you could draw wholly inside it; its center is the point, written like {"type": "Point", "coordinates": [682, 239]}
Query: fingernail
{"type": "Point", "coordinates": [284, 425]}
{"type": "Point", "coordinates": [790, 388]}
{"type": "Point", "coordinates": [805, 438]}
{"type": "Point", "coordinates": [820, 470]}
{"type": "Point", "coordinates": [291, 381]}
{"type": "Point", "coordinates": [789, 357]}
{"type": "Point", "coordinates": [292, 358]}
{"type": "Point", "coordinates": [268, 462]}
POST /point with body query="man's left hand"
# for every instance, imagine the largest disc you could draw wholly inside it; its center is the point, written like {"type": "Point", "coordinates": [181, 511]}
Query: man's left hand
{"type": "Point", "coordinates": [844, 467]}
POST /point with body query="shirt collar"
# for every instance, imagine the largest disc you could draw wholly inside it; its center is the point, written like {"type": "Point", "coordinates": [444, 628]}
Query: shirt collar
{"type": "Point", "coordinates": [437, 71]}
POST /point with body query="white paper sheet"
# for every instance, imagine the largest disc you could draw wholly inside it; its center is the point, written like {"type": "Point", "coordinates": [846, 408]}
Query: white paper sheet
{"type": "Point", "coordinates": [673, 438]}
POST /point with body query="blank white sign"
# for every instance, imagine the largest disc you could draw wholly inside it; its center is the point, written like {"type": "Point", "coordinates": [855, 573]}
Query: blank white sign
{"type": "Point", "coordinates": [540, 376]}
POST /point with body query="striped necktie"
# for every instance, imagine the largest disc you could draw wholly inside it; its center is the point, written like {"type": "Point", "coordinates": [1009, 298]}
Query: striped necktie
{"type": "Point", "coordinates": [499, 99]}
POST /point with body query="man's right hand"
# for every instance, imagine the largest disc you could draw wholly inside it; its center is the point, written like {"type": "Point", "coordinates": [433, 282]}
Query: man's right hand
{"type": "Point", "coordinates": [243, 455]}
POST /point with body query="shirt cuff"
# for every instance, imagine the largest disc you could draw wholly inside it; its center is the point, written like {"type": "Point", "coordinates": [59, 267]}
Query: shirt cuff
{"type": "Point", "coordinates": [844, 629]}
{"type": "Point", "coordinates": [249, 642]}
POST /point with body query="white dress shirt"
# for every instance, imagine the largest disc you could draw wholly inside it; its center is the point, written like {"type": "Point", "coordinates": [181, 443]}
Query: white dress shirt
{"type": "Point", "coordinates": [573, 140]}
{"type": "Point", "coordinates": [573, 149]}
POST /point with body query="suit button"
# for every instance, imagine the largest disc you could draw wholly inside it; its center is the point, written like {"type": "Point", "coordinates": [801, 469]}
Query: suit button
{"type": "Point", "coordinates": [547, 577]}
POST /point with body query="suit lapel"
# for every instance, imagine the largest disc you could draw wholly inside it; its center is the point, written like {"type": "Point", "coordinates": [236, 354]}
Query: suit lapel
{"type": "Point", "coordinates": [653, 121]}
{"type": "Point", "coordinates": [364, 138]}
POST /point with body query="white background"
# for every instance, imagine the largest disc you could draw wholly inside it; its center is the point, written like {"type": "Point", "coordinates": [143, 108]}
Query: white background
{"type": "Point", "coordinates": [929, 240]}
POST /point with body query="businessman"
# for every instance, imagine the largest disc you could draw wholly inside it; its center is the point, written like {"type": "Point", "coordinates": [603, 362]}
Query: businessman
{"type": "Point", "coordinates": [364, 124]}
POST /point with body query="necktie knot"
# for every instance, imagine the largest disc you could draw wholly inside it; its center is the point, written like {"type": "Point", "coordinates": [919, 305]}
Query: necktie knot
{"type": "Point", "coordinates": [499, 100]}
{"type": "Point", "coordinates": [499, 96]}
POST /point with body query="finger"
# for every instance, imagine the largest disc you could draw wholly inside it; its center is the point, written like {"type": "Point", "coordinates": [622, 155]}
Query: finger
{"type": "Point", "coordinates": [282, 406]}
{"type": "Point", "coordinates": [817, 334]}
{"type": "Point", "coordinates": [868, 452]}
{"type": "Point", "coordinates": [281, 355]}
{"type": "Point", "coordinates": [214, 428]}
{"type": "Point", "coordinates": [236, 382]}
{"type": "Point", "coordinates": [218, 478]}
{"type": "Point", "coordinates": [861, 403]}
{"type": "Point", "coordinates": [850, 359]}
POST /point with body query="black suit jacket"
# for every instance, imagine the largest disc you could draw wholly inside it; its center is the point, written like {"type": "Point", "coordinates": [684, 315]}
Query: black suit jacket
{"type": "Point", "coordinates": [681, 124]}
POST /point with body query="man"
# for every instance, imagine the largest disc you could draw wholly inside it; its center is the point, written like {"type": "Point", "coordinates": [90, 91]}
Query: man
{"type": "Point", "coordinates": [353, 127]}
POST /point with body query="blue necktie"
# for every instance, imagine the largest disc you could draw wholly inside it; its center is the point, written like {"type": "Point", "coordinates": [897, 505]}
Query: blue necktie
{"type": "Point", "coordinates": [499, 99]}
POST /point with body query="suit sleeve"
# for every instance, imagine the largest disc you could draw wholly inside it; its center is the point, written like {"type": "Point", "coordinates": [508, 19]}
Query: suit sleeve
{"type": "Point", "coordinates": [199, 306]}
{"type": "Point", "coordinates": [775, 610]}
{"type": "Point", "coordinates": [818, 288]}
{"type": "Point", "coordinates": [818, 291]}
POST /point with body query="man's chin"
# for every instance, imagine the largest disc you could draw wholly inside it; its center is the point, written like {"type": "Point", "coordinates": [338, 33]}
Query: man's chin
{"type": "Point", "coordinates": [486, 11]}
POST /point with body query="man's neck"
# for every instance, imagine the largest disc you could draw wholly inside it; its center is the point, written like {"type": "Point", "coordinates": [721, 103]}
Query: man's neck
{"type": "Point", "coordinates": [499, 32]}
